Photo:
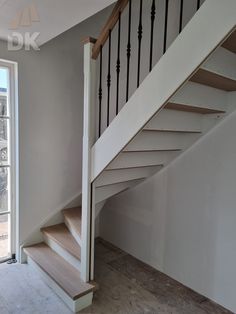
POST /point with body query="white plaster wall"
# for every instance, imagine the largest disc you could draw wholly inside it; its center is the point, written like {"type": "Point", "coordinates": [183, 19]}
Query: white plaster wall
{"type": "Point", "coordinates": [50, 122]}
{"type": "Point", "coordinates": [182, 221]}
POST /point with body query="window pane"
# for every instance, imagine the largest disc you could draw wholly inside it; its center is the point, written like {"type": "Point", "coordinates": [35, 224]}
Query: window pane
{"type": "Point", "coordinates": [3, 141]}
{"type": "Point", "coordinates": [4, 189]}
{"type": "Point", "coordinates": [3, 91]}
{"type": "Point", "coordinates": [4, 236]}
{"type": "Point", "coordinates": [3, 104]}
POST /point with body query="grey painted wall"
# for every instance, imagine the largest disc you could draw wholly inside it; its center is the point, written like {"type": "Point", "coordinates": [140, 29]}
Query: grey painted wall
{"type": "Point", "coordinates": [182, 221]}
{"type": "Point", "coordinates": [50, 121]}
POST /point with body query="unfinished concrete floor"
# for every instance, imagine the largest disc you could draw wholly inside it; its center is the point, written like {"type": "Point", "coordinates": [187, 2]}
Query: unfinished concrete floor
{"type": "Point", "coordinates": [127, 286]}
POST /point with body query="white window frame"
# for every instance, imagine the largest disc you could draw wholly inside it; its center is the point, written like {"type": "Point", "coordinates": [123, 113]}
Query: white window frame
{"type": "Point", "coordinates": [13, 154]}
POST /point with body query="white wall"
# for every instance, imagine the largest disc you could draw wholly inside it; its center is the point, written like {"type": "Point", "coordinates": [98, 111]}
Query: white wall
{"type": "Point", "coordinates": [182, 221]}
{"type": "Point", "coordinates": [50, 119]}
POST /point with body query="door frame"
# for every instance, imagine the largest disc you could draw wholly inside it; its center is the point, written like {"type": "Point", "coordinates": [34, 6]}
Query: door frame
{"type": "Point", "coordinates": [13, 154]}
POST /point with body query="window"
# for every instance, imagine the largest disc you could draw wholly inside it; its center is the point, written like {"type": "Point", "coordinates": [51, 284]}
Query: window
{"type": "Point", "coordinates": [7, 160]}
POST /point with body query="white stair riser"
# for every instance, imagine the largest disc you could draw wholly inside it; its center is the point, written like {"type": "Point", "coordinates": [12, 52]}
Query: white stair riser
{"type": "Point", "coordinates": [222, 62]}
{"type": "Point", "coordinates": [194, 94]}
{"type": "Point", "coordinates": [174, 120]}
{"type": "Point", "coordinates": [74, 305]}
{"type": "Point", "coordinates": [73, 232]}
{"type": "Point", "coordinates": [62, 252]}
{"type": "Point", "coordinates": [106, 192]}
{"type": "Point", "coordinates": [161, 141]}
{"type": "Point", "coordinates": [122, 175]}
{"type": "Point", "coordinates": [139, 159]}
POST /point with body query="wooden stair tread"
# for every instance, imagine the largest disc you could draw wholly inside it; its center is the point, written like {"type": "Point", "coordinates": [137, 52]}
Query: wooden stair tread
{"type": "Point", "coordinates": [65, 275]}
{"type": "Point", "coordinates": [191, 108]}
{"type": "Point", "coordinates": [73, 218]}
{"type": "Point", "coordinates": [62, 236]}
{"type": "Point", "coordinates": [151, 150]}
{"type": "Point", "coordinates": [135, 167]}
{"type": "Point", "coordinates": [230, 42]}
{"type": "Point", "coordinates": [215, 80]}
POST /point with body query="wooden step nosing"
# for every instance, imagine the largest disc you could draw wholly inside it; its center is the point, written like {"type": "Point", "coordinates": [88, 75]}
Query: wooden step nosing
{"type": "Point", "coordinates": [224, 80]}
{"type": "Point", "coordinates": [193, 108]}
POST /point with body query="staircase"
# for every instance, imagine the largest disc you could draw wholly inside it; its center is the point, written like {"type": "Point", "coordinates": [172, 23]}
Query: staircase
{"type": "Point", "coordinates": [184, 96]}
{"type": "Point", "coordinates": [58, 260]}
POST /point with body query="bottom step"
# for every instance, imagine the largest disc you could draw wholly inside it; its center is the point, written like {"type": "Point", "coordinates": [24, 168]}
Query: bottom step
{"type": "Point", "coordinates": [63, 278]}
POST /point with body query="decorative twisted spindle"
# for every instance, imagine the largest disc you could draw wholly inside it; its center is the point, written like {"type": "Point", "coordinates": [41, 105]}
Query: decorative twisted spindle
{"type": "Point", "coordinates": [153, 16]}
{"type": "Point", "coordinates": [109, 79]}
{"type": "Point", "coordinates": [118, 67]}
{"type": "Point", "coordinates": [100, 95]}
{"type": "Point", "coordinates": [140, 36]}
{"type": "Point", "coordinates": [128, 50]}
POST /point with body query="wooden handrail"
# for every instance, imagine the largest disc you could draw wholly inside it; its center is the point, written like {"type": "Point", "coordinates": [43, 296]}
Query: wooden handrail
{"type": "Point", "coordinates": [110, 24]}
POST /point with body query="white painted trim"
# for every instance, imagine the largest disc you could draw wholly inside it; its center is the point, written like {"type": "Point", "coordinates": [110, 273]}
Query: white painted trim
{"type": "Point", "coordinates": [74, 305]}
{"type": "Point", "coordinates": [92, 244]}
{"type": "Point", "coordinates": [180, 61]}
{"type": "Point", "coordinates": [13, 152]}
{"type": "Point", "coordinates": [62, 252]}
{"type": "Point", "coordinates": [88, 141]}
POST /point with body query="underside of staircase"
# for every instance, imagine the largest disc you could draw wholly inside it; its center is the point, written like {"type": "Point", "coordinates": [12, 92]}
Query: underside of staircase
{"type": "Point", "coordinates": [189, 114]}
{"type": "Point", "coordinates": [134, 148]}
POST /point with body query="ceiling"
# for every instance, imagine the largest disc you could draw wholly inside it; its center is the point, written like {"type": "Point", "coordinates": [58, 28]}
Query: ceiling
{"type": "Point", "coordinates": [47, 17]}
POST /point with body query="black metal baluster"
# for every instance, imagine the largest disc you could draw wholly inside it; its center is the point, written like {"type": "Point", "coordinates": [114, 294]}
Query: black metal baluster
{"type": "Point", "coordinates": [109, 79]}
{"type": "Point", "coordinates": [198, 4]}
{"type": "Point", "coordinates": [166, 25]}
{"type": "Point", "coordinates": [181, 15]}
{"type": "Point", "coordinates": [100, 95]}
{"type": "Point", "coordinates": [153, 15]}
{"type": "Point", "coordinates": [140, 35]}
{"type": "Point", "coordinates": [118, 67]}
{"type": "Point", "coordinates": [128, 50]}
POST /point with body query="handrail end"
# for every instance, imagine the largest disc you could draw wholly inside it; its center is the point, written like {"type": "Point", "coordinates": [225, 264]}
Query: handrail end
{"type": "Point", "coordinates": [89, 40]}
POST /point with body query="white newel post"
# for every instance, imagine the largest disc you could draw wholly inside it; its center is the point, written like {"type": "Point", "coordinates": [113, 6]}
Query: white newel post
{"type": "Point", "coordinates": [88, 140]}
